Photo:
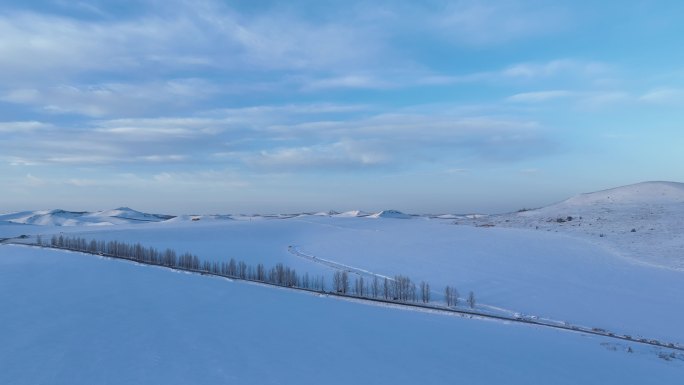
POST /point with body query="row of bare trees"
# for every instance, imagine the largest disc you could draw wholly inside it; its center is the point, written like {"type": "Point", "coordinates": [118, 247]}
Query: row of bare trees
{"type": "Point", "coordinates": [400, 288]}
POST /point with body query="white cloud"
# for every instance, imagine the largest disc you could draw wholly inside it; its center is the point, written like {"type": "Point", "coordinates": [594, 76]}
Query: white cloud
{"type": "Point", "coordinates": [284, 111]}
{"type": "Point", "coordinates": [558, 69]}
{"type": "Point", "coordinates": [19, 127]}
{"type": "Point", "coordinates": [605, 98]}
{"type": "Point", "coordinates": [109, 99]}
{"type": "Point", "coordinates": [428, 126]}
{"type": "Point", "coordinates": [155, 129]}
{"type": "Point", "coordinates": [204, 35]}
{"type": "Point", "coordinates": [86, 158]}
{"type": "Point", "coordinates": [345, 154]}
{"type": "Point", "coordinates": [314, 136]}
{"type": "Point", "coordinates": [200, 179]}
{"type": "Point", "coordinates": [586, 99]}
{"type": "Point", "coordinates": [539, 96]}
{"type": "Point", "coordinates": [486, 23]}
{"type": "Point", "coordinates": [664, 95]}
{"type": "Point", "coordinates": [348, 81]}
{"type": "Point", "coordinates": [167, 158]}
{"type": "Point", "coordinates": [81, 6]}
{"type": "Point", "coordinates": [554, 68]}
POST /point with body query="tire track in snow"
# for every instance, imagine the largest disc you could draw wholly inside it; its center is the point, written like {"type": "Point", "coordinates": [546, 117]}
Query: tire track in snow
{"type": "Point", "coordinates": [335, 265]}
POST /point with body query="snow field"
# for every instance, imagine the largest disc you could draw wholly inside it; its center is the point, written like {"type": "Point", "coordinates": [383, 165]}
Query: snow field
{"type": "Point", "coordinates": [80, 319]}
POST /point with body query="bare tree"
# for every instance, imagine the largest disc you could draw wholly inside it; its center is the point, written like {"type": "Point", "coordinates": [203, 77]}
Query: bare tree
{"type": "Point", "coordinates": [359, 287]}
{"type": "Point", "coordinates": [232, 268]}
{"type": "Point", "coordinates": [242, 269]}
{"type": "Point", "coordinates": [412, 293]}
{"type": "Point", "coordinates": [471, 299]}
{"type": "Point", "coordinates": [451, 296]}
{"type": "Point", "coordinates": [400, 288]}
{"type": "Point", "coordinates": [375, 287]}
{"type": "Point", "coordinates": [403, 289]}
{"type": "Point", "coordinates": [424, 292]}
{"type": "Point", "coordinates": [261, 272]}
{"type": "Point", "coordinates": [344, 283]}
{"type": "Point", "coordinates": [337, 282]}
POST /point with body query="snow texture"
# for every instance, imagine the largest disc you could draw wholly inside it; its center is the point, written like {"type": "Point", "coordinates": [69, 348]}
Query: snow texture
{"type": "Point", "coordinates": [77, 319]}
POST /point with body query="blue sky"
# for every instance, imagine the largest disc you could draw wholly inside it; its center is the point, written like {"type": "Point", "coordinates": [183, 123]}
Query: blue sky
{"type": "Point", "coordinates": [424, 106]}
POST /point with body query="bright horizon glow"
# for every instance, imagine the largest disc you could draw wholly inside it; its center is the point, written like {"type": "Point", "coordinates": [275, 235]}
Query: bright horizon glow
{"type": "Point", "coordinates": [439, 107]}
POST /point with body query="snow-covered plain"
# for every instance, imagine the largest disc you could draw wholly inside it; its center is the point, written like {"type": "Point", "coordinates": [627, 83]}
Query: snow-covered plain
{"type": "Point", "coordinates": [70, 319]}
{"type": "Point", "coordinates": [528, 262]}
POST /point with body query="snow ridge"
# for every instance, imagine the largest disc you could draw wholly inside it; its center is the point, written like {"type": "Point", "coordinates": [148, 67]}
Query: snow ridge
{"type": "Point", "coordinates": [59, 217]}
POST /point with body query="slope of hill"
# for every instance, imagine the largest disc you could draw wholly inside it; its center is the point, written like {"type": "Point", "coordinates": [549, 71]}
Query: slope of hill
{"type": "Point", "coordinates": [647, 193]}
{"type": "Point", "coordinates": [73, 321]}
{"type": "Point", "coordinates": [129, 214]}
{"type": "Point", "coordinates": [352, 214]}
{"type": "Point", "coordinates": [390, 214]}
{"type": "Point", "coordinates": [643, 222]}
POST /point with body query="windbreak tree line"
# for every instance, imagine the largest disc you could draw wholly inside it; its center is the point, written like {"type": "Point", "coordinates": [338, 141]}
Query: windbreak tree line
{"type": "Point", "coordinates": [400, 288]}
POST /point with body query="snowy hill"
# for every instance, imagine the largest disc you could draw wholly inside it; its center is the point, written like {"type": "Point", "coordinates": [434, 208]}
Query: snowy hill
{"type": "Point", "coordinates": [643, 221]}
{"type": "Point", "coordinates": [122, 215]}
{"type": "Point", "coordinates": [129, 214]}
{"type": "Point", "coordinates": [352, 214]}
{"type": "Point", "coordinates": [329, 213]}
{"type": "Point", "coordinates": [640, 193]}
{"type": "Point", "coordinates": [390, 214]}
{"type": "Point", "coordinates": [197, 218]}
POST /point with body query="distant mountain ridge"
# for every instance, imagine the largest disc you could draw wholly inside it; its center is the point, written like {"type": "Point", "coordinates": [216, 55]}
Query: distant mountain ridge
{"type": "Point", "coordinates": [59, 217]}
{"type": "Point", "coordinates": [639, 194]}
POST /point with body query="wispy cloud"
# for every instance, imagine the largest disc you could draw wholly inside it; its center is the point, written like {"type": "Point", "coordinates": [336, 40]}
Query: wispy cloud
{"type": "Point", "coordinates": [40, 45]}
{"type": "Point", "coordinates": [344, 154]}
{"type": "Point", "coordinates": [557, 67]}
{"type": "Point", "coordinates": [348, 81]}
{"type": "Point", "coordinates": [605, 98]}
{"type": "Point", "coordinates": [308, 137]}
{"type": "Point", "coordinates": [23, 127]}
{"type": "Point", "coordinates": [486, 23]}
{"type": "Point", "coordinates": [112, 99]}
{"type": "Point", "coordinates": [600, 98]}
{"type": "Point", "coordinates": [539, 96]}
{"type": "Point", "coordinates": [160, 129]}
{"type": "Point", "coordinates": [664, 95]}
